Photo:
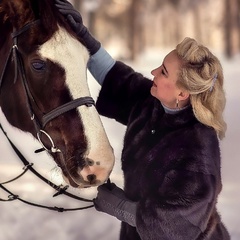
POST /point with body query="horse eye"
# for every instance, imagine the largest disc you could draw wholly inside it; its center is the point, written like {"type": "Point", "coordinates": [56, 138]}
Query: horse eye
{"type": "Point", "coordinates": [39, 65]}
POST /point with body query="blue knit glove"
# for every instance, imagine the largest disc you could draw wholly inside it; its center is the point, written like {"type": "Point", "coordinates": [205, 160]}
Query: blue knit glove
{"type": "Point", "coordinates": [74, 19]}
{"type": "Point", "coordinates": [112, 200]}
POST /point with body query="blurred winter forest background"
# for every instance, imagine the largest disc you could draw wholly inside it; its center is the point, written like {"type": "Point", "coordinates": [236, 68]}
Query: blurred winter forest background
{"type": "Point", "coordinates": [139, 32]}
{"type": "Point", "coordinates": [135, 25]}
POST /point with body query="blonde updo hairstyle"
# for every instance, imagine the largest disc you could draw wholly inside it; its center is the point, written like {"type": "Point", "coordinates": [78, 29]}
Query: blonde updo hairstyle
{"type": "Point", "coordinates": [202, 76]}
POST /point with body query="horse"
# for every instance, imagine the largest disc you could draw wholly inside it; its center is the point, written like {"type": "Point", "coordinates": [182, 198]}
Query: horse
{"type": "Point", "coordinates": [44, 90]}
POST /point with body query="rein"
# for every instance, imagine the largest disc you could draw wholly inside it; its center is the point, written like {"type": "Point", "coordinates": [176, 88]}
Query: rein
{"type": "Point", "coordinates": [29, 166]}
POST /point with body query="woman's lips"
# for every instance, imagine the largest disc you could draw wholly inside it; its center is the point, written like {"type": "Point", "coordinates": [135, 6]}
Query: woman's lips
{"type": "Point", "coordinates": [154, 85]}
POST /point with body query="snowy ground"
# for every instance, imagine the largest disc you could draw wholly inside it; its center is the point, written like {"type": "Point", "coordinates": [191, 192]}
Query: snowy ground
{"type": "Point", "coordinates": [22, 222]}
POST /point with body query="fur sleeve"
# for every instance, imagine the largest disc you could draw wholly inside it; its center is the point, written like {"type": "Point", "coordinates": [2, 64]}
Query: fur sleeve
{"type": "Point", "coordinates": [121, 90]}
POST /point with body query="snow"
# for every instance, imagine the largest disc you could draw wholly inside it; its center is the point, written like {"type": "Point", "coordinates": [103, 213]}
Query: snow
{"type": "Point", "coordinates": [19, 221]}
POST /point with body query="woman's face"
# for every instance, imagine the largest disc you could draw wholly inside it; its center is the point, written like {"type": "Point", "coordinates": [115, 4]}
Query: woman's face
{"type": "Point", "coordinates": [164, 82]}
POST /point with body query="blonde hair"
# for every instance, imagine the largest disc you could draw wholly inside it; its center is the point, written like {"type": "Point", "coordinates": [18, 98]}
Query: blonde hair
{"type": "Point", "coordinates": [202, 76]}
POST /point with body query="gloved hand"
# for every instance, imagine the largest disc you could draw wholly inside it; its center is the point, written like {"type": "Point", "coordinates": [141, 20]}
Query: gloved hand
{"type": "Point", "coordinates": [112, 200]}
{"type": "Point", "coordinates": [75, 21]}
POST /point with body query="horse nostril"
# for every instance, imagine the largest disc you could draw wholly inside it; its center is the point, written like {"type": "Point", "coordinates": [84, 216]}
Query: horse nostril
{"type": "Point", "coordinates": [89, 162]}
{"type": "Point", "coordinates": [91, 178]}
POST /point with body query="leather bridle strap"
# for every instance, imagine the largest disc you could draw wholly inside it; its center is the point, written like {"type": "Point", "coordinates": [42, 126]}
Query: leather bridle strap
{"type": "Point", "coordinates": [88, 101]}
{"type": "Point", "coordinates": [13, 197]}
{"type": "Point", "coordinates": [5, 66]}
{"type": "Point", "coordinates": [14, 47]}
{"type": "Point", "coordinates": [40, 124]}
{"type": "Point", "coordinates": [25, 28]}
{"type": "Point", "coordinates": [29, 97]}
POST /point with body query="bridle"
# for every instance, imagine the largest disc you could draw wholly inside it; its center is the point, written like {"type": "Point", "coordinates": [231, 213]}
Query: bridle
{"type": "Point", "coordinates": [39, 125]}
{"type": "Point", "coordinates": [19, 68]}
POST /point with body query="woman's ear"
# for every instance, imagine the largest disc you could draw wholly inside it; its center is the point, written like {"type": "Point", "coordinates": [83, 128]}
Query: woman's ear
{"type": "Point", "coordinates": [183, 95]}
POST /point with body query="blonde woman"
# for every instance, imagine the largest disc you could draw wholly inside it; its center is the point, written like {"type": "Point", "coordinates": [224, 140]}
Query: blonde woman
{"type": "Point", "coordinates": [171, 156]}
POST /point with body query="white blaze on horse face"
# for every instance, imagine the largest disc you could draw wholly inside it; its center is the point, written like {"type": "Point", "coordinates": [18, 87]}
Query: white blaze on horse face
{"type": "Point", "coordinates": [65, 50]}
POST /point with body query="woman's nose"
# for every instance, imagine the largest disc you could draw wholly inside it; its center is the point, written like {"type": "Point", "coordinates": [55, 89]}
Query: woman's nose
{"type": "Point", "coordinates": [153, 71]}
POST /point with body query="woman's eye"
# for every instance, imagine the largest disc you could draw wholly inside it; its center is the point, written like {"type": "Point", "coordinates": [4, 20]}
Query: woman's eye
{"type": "Point", "coordinates": [163, 72]}
{"type": "Point", "coordinates": [39, 65]}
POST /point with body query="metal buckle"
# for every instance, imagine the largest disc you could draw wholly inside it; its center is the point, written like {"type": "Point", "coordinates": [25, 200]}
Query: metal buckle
{"type": "Point", "coordinates": [53, 149]}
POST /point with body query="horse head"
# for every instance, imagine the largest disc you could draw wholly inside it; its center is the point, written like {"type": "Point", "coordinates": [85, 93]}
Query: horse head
{"type": "Point", "coordinates": [44, 91]}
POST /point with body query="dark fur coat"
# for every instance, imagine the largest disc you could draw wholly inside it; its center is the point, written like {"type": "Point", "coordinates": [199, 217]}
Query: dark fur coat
{"type": "Point", "coordinates": [171, 163]}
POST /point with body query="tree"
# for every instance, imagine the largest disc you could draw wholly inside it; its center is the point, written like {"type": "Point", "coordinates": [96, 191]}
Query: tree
{"type": "Point", "coordinates": [136, 28]}
{"type": "Point", "coordinates": [232, 27]}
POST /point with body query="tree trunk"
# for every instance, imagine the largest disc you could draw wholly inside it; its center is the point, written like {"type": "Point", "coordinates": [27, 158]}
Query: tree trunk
{"type": "Point", "coordinates": [232, 28]}
{"type": "Point", "coordinates": [136, 28]}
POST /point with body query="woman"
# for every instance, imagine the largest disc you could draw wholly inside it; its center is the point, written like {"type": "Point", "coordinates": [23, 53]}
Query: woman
{"type": "Point", "coordinates": [171, 156]}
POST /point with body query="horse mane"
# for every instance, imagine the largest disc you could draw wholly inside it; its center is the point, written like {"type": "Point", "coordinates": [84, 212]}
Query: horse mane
{"type": "Point", "coordinates": [18, 13]}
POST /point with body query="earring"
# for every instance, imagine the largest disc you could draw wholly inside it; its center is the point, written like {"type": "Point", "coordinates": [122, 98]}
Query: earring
{"type": "Point", "coordinates": [177, 103]}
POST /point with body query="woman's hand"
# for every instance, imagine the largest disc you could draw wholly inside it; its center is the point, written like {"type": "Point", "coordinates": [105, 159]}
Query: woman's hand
{"type": "Point", "coordinates": [112, 200]}
{"type": "Point", "coordinates": [74, 19]}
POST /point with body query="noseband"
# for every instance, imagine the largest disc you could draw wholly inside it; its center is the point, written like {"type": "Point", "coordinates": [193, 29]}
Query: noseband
{"type": "Point", "coordinates": [19, 68]}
